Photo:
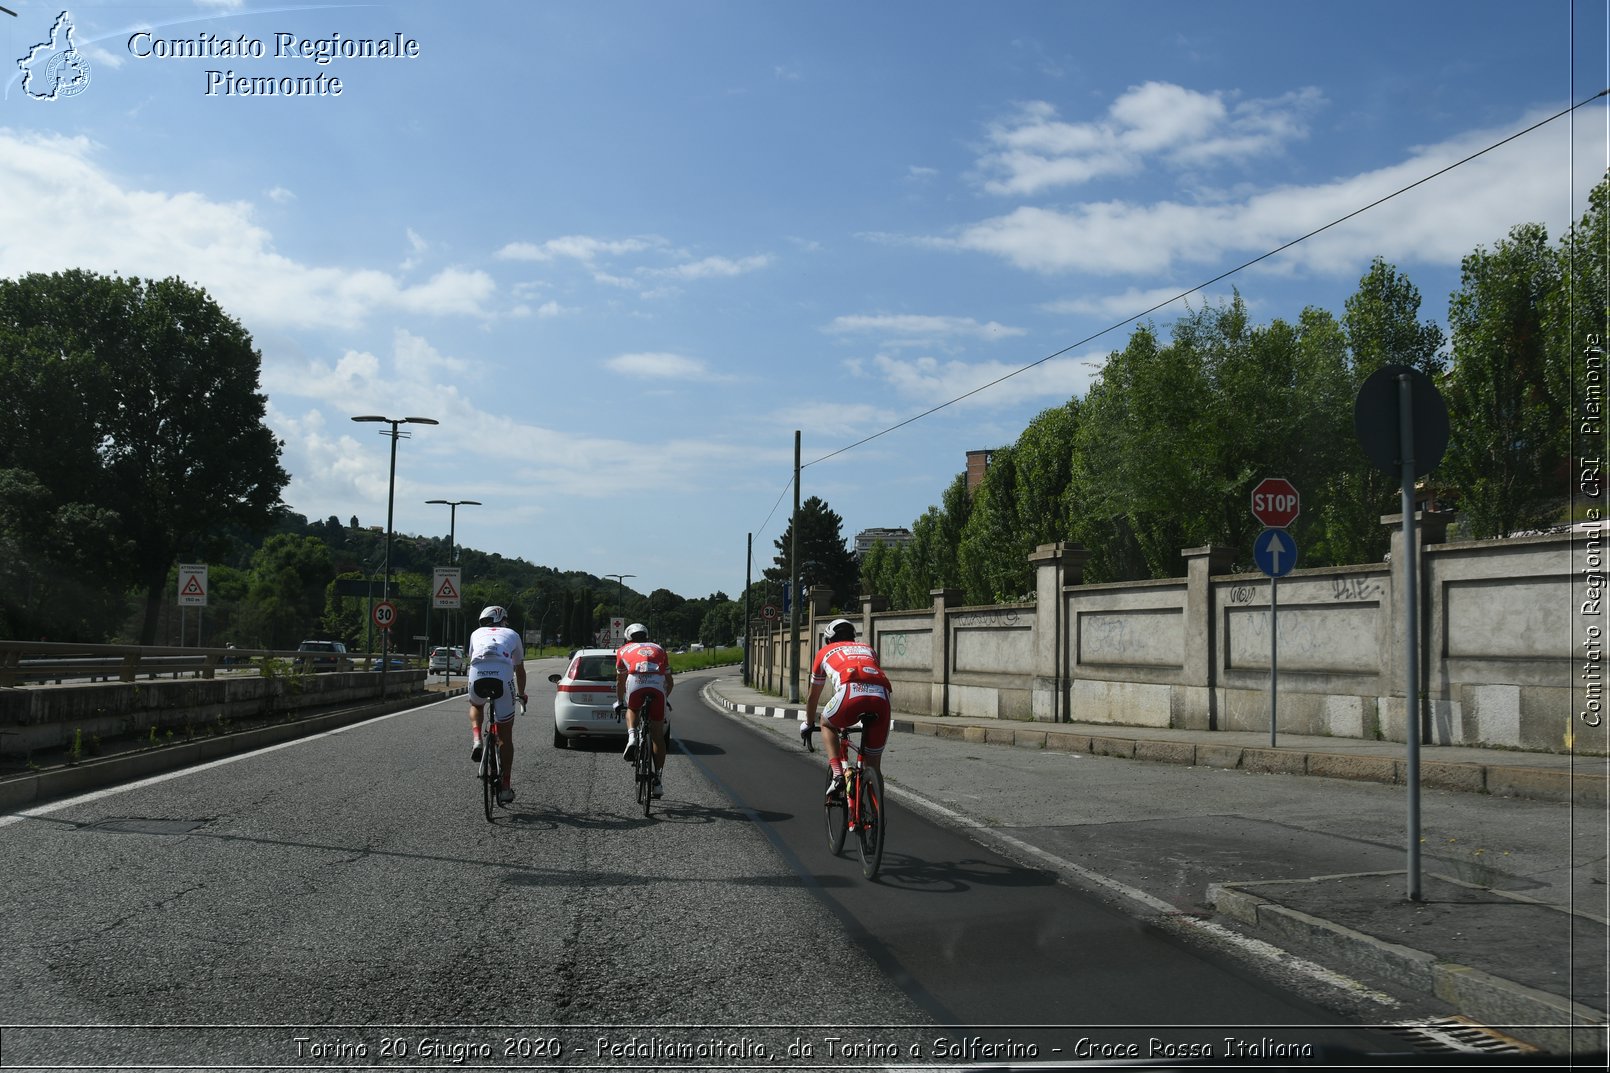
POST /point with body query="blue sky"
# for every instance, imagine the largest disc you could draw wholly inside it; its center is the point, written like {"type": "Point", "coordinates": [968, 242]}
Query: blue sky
{"type": "Point", "coordinates": [621, 250]}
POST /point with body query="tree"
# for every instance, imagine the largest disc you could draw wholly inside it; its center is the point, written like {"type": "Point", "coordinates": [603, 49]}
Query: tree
{"type": "Point", "coordinates": [1508, 437]}
{"type": "Point", "coordinates": [991, 566]}
{"type": "Point", "coordinates": [1380, 327]}
{"type": "Point", "coordinates": [160, 389]}
{"type": "Point", "coordinates": [824, 558]}
{"type": "Point", "coordinates": [286, 590]}
{"type": "Point", "coordinates": [721, 625]}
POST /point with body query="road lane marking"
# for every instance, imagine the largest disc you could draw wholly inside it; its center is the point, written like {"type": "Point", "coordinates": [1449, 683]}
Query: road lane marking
{"type": "Point", "coordinates": [95, 795]}
{"type": "Point", "coordinates": [1256, 948]}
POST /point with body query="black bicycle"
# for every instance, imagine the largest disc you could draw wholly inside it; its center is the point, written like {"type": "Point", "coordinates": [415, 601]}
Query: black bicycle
{"type": "Point", "coordinates": [490, 690]}
{"type": "Point", "coordinates": [643, 768]}
{"type": "Point", "coordinates": [859, 807]}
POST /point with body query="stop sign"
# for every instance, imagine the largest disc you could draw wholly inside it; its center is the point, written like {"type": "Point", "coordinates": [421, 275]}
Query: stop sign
{"type": "Point", "coordinates": [1275, 502]}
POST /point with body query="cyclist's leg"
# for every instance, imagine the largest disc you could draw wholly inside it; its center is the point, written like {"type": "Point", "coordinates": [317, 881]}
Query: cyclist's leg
{"type": "Point", "coordinates": [475, 731]}
{"type": "Point", "coordinates": [877, 719]}
{"type": "Point", "coordinates": [506, 747]}
{"type": "Point", "coordinates": [654, 710]}
{"type": "Point", "coordinates": [834, 717]}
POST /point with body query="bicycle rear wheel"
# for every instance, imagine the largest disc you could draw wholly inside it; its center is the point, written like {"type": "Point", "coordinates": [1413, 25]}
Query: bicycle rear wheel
{"type": "Point", "coordinates": [489, 773]}
{"type": "Point", "coordinates": [870, 822]}
{"type": "Point", "coordinates": [643, 769]}
{"type": "Point", "coordinates": [837, 814]}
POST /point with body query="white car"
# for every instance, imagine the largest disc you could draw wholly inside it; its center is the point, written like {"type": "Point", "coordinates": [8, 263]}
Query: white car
{"type": "Point", "coordinates": [584, 704]}
{"type": "Point", "coordinates": [444, 660]}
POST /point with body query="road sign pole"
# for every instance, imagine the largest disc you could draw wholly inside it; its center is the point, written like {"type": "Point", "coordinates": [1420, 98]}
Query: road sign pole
{"type": "Point", "coordinates": [1411, 628]}
{"type": "Point", "coordinates": [1274, 654]}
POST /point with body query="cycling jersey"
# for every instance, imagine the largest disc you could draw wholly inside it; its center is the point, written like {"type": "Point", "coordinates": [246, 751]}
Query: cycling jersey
{"type": "Point", "coordinates": [647, 667]}
{"type": "Point", "coordinates": [860, 691]}
{"type": "Point", "coordinates": [495, 651]}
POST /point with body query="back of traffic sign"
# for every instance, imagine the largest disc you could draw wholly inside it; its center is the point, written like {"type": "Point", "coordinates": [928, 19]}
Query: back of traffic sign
{"type": "Point", "coordinates": [1378, 420]}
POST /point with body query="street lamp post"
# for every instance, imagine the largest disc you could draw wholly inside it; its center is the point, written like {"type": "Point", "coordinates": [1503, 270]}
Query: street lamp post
{"type": "Point", "coordinates": [391, 498]}
{"type": "Point", "coordinates": [620, 596]}
{"type": "Point", "coordinates": [452, 529]}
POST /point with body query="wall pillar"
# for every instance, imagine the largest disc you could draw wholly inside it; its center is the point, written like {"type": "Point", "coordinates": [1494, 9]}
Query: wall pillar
{"type": "Point", "coordinates": [1430, 527]}
{"type": "Point", "coordinates": [870, 605]}
{"type": "Point", "coordinates": [1056, 566]}
{"type": "Point", "coordinates": [1196, 704]}
{"type": "Point", "coordinates": [939, 702]}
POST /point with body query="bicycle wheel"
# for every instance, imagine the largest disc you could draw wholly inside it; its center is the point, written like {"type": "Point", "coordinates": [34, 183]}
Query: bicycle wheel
{"type": "Point", "coordinates": [837, 814]}
{"type": "Point", "coordinates": [870, 822]}
{"type": "Point", "coordinates": [643, 770]}
{"type": "Point", "coordinates": [489, 773]}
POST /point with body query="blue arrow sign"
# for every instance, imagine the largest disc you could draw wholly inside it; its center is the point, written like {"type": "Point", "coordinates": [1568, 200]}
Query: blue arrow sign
{"type": "Point", "coordinates": [1275, 552]}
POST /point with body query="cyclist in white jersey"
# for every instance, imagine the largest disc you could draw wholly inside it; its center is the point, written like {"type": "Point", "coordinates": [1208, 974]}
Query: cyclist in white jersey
{"type": "Point", "coordinates": [496, 651]}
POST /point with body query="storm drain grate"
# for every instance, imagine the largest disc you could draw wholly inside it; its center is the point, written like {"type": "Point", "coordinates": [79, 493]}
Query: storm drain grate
{"type": "Point", "coordinates": [1459, 1035]}
{"type": "Point", "coordinates": [134, 825]}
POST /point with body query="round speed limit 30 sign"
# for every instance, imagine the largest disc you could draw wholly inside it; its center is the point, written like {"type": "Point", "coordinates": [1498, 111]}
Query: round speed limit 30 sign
{"type": "Point", "coordinates": [384, 614]}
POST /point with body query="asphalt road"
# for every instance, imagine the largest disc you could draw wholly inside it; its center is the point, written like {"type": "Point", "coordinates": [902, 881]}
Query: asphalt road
{"type": "Point", "coordinates": [341, 901]}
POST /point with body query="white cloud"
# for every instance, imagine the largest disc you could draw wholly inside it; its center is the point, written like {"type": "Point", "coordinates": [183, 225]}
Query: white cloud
{"type": "Point", "coordinates": [582, 248]}
{"type": "Point", "coordinates": [1034, 150]}
{"type": "Point", "coordinates": [63, 210]}
{"type": "Point", "coordinates": [711, 267]}
{"type": "Point", "coordinates": [929, 380]}
{"type": "Point", "coordinates": [906, 325]}
{"type": "Point", "coordinates": [1440, 222]}
{"type": "Point", "coordinates": [1130, 303]}
{"type": "Point", "coordinates": [658, 366]}
{"type": "Point", "coordinates": [280, 195]}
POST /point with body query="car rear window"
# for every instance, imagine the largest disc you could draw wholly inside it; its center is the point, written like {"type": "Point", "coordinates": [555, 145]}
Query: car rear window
{"type": "Point", "coordinates": [593, 669]}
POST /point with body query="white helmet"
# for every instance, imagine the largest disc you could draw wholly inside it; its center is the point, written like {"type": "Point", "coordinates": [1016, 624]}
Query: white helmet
{"type": "Point", "coordinates": [637, 632]}
{"type": "Point", "coordinates": [493, 616]}
{"type": "Point", "coordinates": [840, 629]}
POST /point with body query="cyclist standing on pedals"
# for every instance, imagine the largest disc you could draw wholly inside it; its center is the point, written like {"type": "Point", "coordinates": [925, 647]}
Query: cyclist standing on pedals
{"type": "Point", "coordinates": [860, 695]}
{"type": "Point", "coordinates": [642, 686]}
{"type": "Point", "coordinates": [496, 651]}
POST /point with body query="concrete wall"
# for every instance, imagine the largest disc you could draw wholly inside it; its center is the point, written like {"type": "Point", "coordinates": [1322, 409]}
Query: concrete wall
{"type": "Point", "coordinates": [1511, 636]}
{"type": "Point", "coordinates": [46, 717]}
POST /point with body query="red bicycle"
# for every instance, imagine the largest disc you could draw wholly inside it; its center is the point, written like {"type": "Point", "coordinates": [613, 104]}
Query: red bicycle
{"type": "Point", "coordinates": [860, 809]}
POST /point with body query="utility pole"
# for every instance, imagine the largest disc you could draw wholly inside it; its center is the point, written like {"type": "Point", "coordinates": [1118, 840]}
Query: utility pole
{"type": "Point", "coordinates": [793, 569]}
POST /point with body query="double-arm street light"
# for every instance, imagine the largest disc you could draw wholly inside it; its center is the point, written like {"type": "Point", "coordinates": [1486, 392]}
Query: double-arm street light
{"type": "Point", "coordinates": [391, 497]}
{"type": "Point", "coordinates": [452, 522]}
{"type": "Point", "coordinates": [620, 599]}
{"type": "Point", "coordinates": [452, 530]}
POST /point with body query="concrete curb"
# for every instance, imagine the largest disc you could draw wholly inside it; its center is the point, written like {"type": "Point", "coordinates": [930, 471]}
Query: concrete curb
{"type": "Point", "coordinates": [1500, 780]}
{"type": "Point", "coordinates": [40, 786]}
{"type": "Point", "coordinates": [1540, 1018]}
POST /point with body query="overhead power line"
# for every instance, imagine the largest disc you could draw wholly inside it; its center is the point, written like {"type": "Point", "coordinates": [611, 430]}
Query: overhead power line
{"type": "Point", "coordinates": [1200, 286]}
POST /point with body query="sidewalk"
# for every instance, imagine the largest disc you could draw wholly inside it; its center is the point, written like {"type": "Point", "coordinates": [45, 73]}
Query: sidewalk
{"type": "Point", "coordinates": [1528, 965]}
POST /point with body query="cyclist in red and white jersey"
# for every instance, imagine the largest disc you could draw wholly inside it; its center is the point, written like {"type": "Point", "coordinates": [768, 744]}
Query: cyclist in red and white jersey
{"type": "Point", "coordinates": [643, 684]}
{"type": "Point", "coordinates": [860, 695]}
{"type": "Point", "coordinates": [496, 651]}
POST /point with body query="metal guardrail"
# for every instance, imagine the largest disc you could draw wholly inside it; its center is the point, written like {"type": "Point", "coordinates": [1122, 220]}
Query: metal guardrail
{"type": "Point", "coordinates": [48, 662]}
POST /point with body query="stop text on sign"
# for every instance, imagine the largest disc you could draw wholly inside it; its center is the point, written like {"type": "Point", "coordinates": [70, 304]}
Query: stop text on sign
{"type": "Point", "coordinates": [1275, 502]}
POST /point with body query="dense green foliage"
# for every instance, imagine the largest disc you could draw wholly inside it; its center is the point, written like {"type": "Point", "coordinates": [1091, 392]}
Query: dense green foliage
{"type": "Point", "coordinates": [131, 435]}
{"type": "Point", "coordinates": [1163, 451]}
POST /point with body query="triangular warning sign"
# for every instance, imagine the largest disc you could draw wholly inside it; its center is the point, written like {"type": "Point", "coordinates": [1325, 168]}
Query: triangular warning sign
{"type": "Point", "coordinates": [193, 587]}
{"type": "Point", "coordinates": [447, 592]}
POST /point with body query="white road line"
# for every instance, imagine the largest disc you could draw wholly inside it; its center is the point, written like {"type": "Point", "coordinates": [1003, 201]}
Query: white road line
{"type": "Point", "coordinates": [96, 795]}
{"type": "Point", "coordinates": [1253, 947]}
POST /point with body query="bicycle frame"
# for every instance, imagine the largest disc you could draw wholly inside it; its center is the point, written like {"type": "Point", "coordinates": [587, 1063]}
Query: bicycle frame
{"type": "Point", "coordinates": [490, 690]}
{"type": "Point", "coordinates": [861, 810]}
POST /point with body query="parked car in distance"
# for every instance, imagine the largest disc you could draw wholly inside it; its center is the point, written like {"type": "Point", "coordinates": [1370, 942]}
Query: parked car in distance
{"type": "Point", "coordinates": [397, 662]}
{"type": "Point", "coordinates": [323, 655]}
{"type": "Point", "coordinates": [446, 660]}
{"type": "Point", "coordinates": [584, 703]}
